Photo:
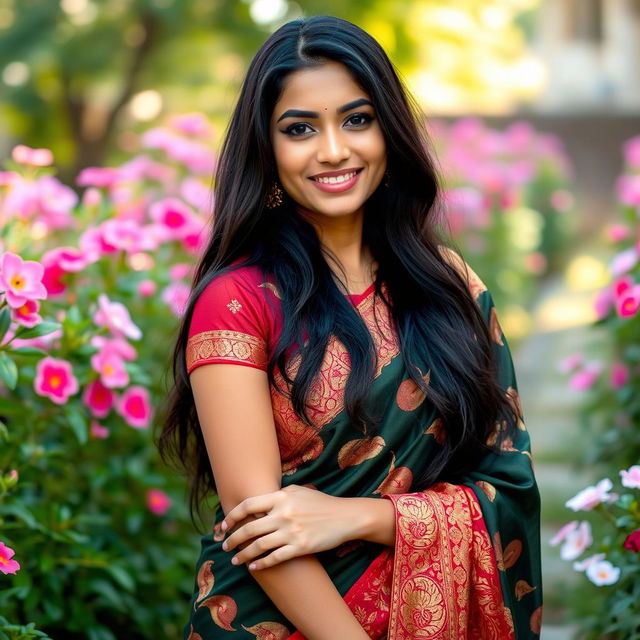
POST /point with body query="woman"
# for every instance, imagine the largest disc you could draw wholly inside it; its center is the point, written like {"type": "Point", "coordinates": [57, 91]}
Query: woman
{"type": "Point", "coordinates": [335, 352]}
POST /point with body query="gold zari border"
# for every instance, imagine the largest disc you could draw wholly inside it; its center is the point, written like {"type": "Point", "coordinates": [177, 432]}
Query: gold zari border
{"type": "Point", "coordinates": [233, 346]}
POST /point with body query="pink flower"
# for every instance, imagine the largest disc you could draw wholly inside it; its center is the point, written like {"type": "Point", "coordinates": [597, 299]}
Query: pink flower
{"type": "Point", "coordinates": [602, 303]}
{"type": "Point", "coordinates": [563, 533]}
{"type": "Point", "coordinates": [134, 405]}
{"type": "Point", "coordinates": [116, 318]}
{"type": "Point", "coordinates": [585, 378]}
{"type": "Point", "coordinates": [176, 295]}
{"type": "Point", "coordinates": [91, 198]}
{"type": "Point", "coordinates": [55, 203]}
{"type": "Point", "coordinates": [158, 501]}
{"type": "Point", "coordinates": [576, 541]}
{"type": "Point", "coordinates": [126, 235]}
{"type": "Point", "coordinates": [619, 375]}
{"type": "Point", "coordinates": [98, 177]}
{"type": "Point", "coordinates": [98, 431]}
{"type": "Point", "coordinates": [98, 398]}
{"type": "Point", "coordinates": [69, 259]}
{"type": "Point", "coordinates": [629, 301]}
{"type": "Point", "coordinates": [631, 151]}
{"type": "Point", "coordinates": [7, 565]}
{"type": "Point", "coordinates": [27, 315]}
{"type": "Point", "coordinates": [602, 572]}
{"type": "Point", "coordinates": [174, 217]}
{"type": "Point", "coordinates": [92, 241]}
{"type": "Point", "coordinates": [191, 124]}
{"type": "Point", "coordinates": [617, 232]}
{"type": "Point", "coordinates": [571, 362]}
{"type": "Point", "coordinates": [21, 279]}
{"type": "Point", "coordinates": [32, 157]}
{"type": "Point", "coordinates": [631, 477]}
{"type": "Point", "coordinates": [55, 379]}
{"type": "Point", "coordinates": [195, 192]}
{"type": "Point", "coordinates": [179, 270]}
{"type": "Point", "coordinates": [628, 189]}
{"type": "Point", "coordinates": [624, 261]}
{"type": "Point", "coordinates": [111, 368]}
{"type": "Point", "coordinates": [121, 347]}
{"type": "Point", "coordinates": [590, 497]}
{"type": "Point", "coordinates": [621, 285]}
{"type": "Point", "coordinates": [147, 288]}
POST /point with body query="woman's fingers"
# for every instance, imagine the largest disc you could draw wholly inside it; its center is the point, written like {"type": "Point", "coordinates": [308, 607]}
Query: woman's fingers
{"type": "Point", "coordinates": [252, 529]}
{"type": "Point", "coordinates": [258, 547]}
{"type": "Point", "coordinates": [276, 557]}
{"type": "Point", "coordinates": [249, 506]}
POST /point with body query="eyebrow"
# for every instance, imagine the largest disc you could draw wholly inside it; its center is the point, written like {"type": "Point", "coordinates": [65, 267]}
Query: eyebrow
{"type": "Point", "coordinates": [297, 113]}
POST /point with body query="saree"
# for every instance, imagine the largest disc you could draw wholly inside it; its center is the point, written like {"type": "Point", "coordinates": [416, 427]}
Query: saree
{"type": "Point", "coordinates": [466, 561]}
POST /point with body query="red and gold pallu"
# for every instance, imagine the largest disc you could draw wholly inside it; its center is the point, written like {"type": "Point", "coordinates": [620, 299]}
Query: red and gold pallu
{"type": "Point", "coordinates": [466, 560]}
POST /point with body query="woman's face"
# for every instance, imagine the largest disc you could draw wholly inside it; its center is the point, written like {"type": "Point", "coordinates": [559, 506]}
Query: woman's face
{"type": "Point", "coordinates": [338, 133]}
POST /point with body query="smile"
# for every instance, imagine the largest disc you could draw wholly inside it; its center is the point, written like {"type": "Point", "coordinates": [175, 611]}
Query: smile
{"type": "Point", "coordinates": [335, 183]}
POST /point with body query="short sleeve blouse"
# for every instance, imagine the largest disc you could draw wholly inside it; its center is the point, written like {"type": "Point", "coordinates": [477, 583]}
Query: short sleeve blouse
{"type": "Point", "coordinates": [232, 321]}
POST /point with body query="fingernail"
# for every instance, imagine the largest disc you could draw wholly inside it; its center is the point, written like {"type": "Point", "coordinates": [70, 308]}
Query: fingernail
{"type": "Point", "coordinates": [234, 560]}
{"type": "Point", "coordinates": [225, 545]}
{"type": "Point", "coordinates": [223, 526]}
{"type": "Point", "coordinates": [252, 565]}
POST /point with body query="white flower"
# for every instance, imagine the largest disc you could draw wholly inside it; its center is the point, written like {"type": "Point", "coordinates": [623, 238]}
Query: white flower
{"type": "Point", "coordinates": [602, 572]}
{"type": "Point", "coordinates": [576, 541]}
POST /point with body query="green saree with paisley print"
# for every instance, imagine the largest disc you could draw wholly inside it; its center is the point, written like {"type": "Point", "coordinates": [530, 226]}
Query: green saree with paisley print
{"type": "Point", "coordinates": [466, 561]}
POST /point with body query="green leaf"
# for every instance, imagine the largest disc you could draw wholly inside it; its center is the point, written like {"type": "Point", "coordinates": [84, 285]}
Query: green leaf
{"type": "Point", "coordinates": [8, 370]}
{"type": "Point", "coordinates": [28, 351]}
{"type": "Point", "coordinates": [5, 321]}
{"type": "Point", "coordinates": [122, 577]}
{"type": "Point", "coordinates": [4, 432]}
{"type": "Point", "coordinates": [78, 424]}
{"type": "Point", "coordinates": [22, 513]}
{"type": "Point", "coordinates": [41, 329]}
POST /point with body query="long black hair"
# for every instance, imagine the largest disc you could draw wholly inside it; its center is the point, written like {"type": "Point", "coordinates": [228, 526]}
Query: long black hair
{"type": "Point", "coordinates": [440, 327]}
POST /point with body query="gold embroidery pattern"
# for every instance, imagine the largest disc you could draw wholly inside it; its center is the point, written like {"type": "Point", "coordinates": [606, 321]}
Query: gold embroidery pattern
{"type": "Point", "coordinates": [445, 581]}
{"type": "Point", "coordinates": [234, 346]}
{"type": "Point", "coordinates": [234, 306]}
{"type": "Point", "coordinates": [326, 398]}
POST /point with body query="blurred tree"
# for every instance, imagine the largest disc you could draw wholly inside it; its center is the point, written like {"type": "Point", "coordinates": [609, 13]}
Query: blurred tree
{"type": "Point", "coordinates": [74, 72]}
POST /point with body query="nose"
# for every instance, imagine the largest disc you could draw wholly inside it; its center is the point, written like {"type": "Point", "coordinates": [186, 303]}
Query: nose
{"type": "Point", "coordinates": [332, 147]}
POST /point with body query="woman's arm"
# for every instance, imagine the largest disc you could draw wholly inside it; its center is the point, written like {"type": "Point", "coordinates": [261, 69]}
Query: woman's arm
{"type": "Point", "coordinates": [236, 417]}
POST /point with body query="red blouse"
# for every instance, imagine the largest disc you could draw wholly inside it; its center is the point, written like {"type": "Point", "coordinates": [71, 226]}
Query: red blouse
{"type": "Point", "coordinates": [237, 320]}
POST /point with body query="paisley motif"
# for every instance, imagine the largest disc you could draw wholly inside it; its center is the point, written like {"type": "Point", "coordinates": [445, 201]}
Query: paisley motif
{"type": "Point", "coordinates": [223, 610]}
{"type": "Point", "coordinates": [268, 631]}
{"type": "Point", "coordinates": [359, 450]}
{"type": "Point", "coordinates": [205, 581]}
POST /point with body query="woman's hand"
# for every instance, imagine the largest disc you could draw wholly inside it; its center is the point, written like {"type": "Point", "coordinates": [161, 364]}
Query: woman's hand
{"type": "Point", "coordinates": [297, 521]}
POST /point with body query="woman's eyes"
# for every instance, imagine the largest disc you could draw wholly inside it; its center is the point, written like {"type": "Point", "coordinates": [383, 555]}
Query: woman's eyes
{"type": "Point", "coordinates": [295, 131]}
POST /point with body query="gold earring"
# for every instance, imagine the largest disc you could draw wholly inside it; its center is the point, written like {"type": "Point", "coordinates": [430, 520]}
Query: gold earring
{"type": "Point", "coordinates": [275, 197]}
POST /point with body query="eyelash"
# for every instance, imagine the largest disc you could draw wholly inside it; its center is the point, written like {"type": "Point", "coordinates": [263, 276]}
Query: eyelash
{"type": "Point", "coordinates": [289, 130]}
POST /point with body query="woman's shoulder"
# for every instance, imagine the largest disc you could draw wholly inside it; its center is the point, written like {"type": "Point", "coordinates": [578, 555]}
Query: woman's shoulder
{"type": "Point", "coordinates": [246, 280]}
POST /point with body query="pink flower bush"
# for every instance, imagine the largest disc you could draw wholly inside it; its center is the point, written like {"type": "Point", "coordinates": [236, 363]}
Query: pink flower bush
{"type": "Point", "coordinates": [134, 405]}
{"type": "Point", "coordinates": [111, 368]}
{"type": "Point", "coordinates": [55, 379]}
{"type": "Point", "coordinates": [21, 280]}
{"type": "Point", "coordinates": [7, 565]}
{"type": "Point", "coordinates": [158, 502]}
{"type": "Point", "coordinates": [591, 496]}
